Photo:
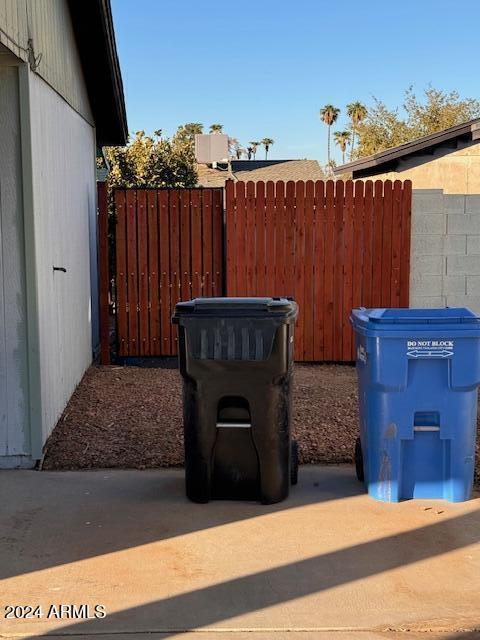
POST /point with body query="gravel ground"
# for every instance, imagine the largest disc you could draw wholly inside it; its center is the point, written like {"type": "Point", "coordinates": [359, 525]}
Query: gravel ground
{"type": "Point", "coordinates": [131, 417]}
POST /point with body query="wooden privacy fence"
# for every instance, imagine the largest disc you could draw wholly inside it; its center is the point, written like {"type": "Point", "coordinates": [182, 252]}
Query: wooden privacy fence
{"type": "Point", "coordinates": [168, 247]}
{"type": "Point", "coordinates": [330, 245]}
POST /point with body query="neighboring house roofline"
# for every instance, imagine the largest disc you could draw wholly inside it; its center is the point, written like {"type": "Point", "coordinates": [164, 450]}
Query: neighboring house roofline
{"type": "Point", "coordinates": [94, 33]}
{"type": "Point", "coordinates": [469, 130]}
{"type": "Point", "coordinates": [261, 170]}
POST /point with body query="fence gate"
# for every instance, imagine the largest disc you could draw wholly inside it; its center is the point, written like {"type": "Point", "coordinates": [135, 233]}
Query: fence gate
{"type": "Point", "coordinates": [168, 247]}
{"type": "Point", "coordinates": [330, 245]}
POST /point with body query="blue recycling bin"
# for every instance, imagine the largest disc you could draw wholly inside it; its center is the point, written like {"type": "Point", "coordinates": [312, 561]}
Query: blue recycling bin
{"type": "Point", "coordinates": [418, 373]}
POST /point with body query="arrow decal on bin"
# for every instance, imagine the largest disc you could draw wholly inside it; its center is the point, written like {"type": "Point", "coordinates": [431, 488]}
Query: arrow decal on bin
{"type": "Point", "coordinates": [430, 348]}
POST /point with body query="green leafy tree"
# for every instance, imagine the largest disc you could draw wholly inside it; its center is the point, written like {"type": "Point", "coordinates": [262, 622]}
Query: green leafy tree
{"type": "Point", "coordinates": [153, 161]}
{"type": "Point", "coordinates": [329, 115]}
{"type": "Point", "coordinates": [436, 110]}
{"type": "Point", "coordinates": [383, 128]}
{"type": "Point", "coordinates": [267, 143]}
{"type": "Point", "coordinates": [216, 128]}
{"type": "Point", "coordinates": [342, 139]}
{"type": "Point", "coordinates": [357, 112]}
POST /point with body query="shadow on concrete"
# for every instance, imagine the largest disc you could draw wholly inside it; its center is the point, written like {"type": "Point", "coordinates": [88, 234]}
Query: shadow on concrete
{"type": "Point", "coordinates": [56, 518]}
{"type": "Point", "coordinates": [224, 601]}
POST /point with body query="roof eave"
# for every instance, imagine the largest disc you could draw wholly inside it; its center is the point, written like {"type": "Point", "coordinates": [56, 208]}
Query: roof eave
{"type": "Point", "coordinates": [93, 27]}
{"type": "Point", "coordinates": [393, 154]}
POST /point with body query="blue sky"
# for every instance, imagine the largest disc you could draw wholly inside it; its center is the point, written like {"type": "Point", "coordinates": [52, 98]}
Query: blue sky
{"type": "Point", "coordinates": [264, 68]}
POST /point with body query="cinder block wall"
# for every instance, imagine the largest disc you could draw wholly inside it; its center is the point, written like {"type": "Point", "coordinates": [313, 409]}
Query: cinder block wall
{"type": "Point", "coordinates": [445, 252]}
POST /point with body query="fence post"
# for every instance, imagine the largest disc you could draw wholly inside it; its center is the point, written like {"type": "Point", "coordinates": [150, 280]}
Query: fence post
{"type": "Point", "coordinates": [103, 272]}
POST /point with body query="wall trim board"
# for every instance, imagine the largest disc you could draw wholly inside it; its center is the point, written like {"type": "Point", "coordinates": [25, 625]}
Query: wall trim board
{"type": "Point", "coordinates": [33, 336]}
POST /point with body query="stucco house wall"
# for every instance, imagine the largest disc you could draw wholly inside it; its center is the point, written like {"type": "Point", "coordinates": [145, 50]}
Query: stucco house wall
{"type": "Point", "coordinates": [455, 171]}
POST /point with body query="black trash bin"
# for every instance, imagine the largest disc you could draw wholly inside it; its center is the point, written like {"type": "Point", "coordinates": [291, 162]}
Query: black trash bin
{"type": "Point", "coordinates": [236, 357]}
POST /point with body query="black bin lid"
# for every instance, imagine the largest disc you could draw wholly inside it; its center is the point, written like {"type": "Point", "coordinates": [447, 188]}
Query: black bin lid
{"type": "Point", "coordinates": [236, 307]}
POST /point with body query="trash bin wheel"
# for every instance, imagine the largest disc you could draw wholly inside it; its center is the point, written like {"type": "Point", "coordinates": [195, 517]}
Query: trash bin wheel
{"type": "Point", "coordinates": [294, 462]}
{"type": "Point", "coordinates": [359, 460]}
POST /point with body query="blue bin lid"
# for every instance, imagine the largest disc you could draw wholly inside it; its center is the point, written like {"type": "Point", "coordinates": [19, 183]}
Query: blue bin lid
{"type": "Point", "coordinates": [456, 319]}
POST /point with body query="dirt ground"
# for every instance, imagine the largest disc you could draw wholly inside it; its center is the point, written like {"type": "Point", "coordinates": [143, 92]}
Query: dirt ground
{"type": "Point", "coordinates": [131, 417]}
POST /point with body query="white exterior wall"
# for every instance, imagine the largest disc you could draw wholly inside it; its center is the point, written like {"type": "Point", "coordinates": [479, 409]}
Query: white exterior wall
{"type": "Point", "coordinates": [64, 205]}
{"type": "Point", "coordinates": [49, 26]}
{"type": "Point", "coordinates": [14, 431]}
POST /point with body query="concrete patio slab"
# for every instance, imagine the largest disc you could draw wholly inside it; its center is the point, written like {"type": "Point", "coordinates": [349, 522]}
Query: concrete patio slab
{"type": "Point", "coordinates": [328, 562]}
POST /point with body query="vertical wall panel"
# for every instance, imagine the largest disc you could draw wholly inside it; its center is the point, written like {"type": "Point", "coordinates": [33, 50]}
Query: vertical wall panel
{"type": "Point", "coordinates": [14, 426]}
{"type": "Point", "coordinates": [64, 196]}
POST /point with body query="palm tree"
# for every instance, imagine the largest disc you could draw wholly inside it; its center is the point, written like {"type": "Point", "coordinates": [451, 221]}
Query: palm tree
{"type": "Point", "coordinates": [239, 151]}
{"type": "Point", "coordinates": [357, 112]}
{"type": "Point", "coordinates": [328, 115]}
{"type": "Point", "coordinates": [232, 144]}
{"type": "Point", "coordinates": [342, 138]}
{"type": "Point", "coordinates": [192, 128]}
{"type": "Point", "coordinates": [267, 143]}
{"type": "Point", "coordinates": [254, 146]}
{"type": "Point", "coordinates": [250, 152]}
{"type": "Point", "coordinates": [216, 128]}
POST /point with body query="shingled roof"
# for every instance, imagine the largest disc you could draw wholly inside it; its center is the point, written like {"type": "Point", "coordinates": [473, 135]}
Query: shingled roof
{"type": "Point", "coordinates": [260, 170]}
